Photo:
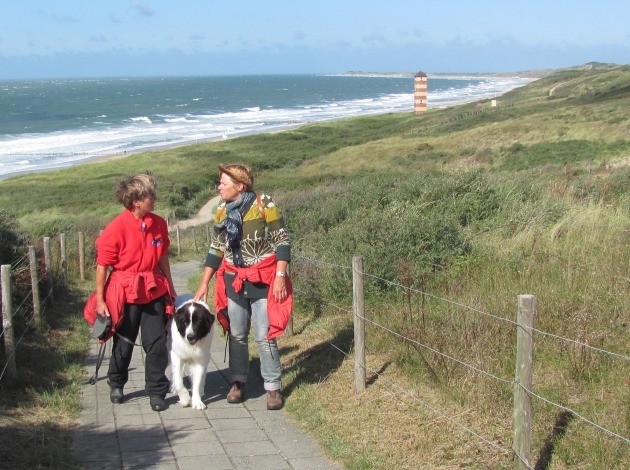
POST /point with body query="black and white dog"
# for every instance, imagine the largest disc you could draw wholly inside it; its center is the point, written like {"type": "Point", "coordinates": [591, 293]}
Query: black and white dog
{"type": "Point", "coordinates": [189, 341]}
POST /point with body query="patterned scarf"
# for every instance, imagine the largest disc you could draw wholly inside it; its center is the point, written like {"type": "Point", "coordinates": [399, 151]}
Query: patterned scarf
{"type": "Point", "coordinates": [233, 224]}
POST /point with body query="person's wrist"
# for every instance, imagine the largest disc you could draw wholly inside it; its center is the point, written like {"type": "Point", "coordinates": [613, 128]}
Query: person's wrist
{"type": "Point", "coordinates": [280, 273]}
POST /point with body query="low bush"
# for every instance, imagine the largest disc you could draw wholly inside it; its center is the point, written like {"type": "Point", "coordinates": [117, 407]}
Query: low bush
{"type": "Point", "coordinates": [13, 240]}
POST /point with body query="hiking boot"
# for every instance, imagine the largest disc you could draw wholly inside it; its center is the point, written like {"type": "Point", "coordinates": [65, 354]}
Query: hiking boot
{"type": "Point", "coordinates": [157, 403]}
{"type": "Point", "coordinates": [235, 395]}
{"type": "Point", "coordinates": [116, 395]}
{"type": "Point", "coordinates": [274, 400]}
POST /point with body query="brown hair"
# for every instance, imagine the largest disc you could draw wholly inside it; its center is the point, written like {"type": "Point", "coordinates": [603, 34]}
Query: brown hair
{"type": "Point", "coordinates": [135, 188]}
{"type": "Point", "coordinates": [239, 173]}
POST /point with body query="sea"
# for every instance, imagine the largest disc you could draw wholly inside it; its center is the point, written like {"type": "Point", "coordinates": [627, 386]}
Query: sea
{"type": "Point", "coordinates": [57, 123]}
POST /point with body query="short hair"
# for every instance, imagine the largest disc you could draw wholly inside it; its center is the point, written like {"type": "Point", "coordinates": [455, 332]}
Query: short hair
{"type": "Point", "coordinates": [239, 173]}
{"type": "Point", "coordinates": [135, 188]}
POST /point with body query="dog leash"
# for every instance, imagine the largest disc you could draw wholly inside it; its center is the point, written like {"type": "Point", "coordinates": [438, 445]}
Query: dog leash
{"type": "Point", "coordinates": [101, 356]}
{"type": "Point", "coordinates": [99, 361]}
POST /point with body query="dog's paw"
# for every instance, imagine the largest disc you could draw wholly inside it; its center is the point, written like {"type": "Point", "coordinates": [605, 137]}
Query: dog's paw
{"type": "Point", "coordinates": [184, 399]}
{"type": "Point", "coordinates": [198, 405]}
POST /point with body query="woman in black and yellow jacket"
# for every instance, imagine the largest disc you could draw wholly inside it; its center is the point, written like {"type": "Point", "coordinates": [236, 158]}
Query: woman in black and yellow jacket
{"type": "Point", "coordinates": [249, 252]}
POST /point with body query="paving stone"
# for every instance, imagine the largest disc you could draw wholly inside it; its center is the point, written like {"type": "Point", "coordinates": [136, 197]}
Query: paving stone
{"type": "Point", "coordinates": [214, 462]}
{"type": "Point", "coordinates": [261, 462]}
{"type": "Point", "coordinates": [241, 435]}
{"type": "Point", "coordinates": [243, 449]}
{"type": "Point", "coordinates": [222, 437]}
{"type": "Point", "coordinates": [192, 449]}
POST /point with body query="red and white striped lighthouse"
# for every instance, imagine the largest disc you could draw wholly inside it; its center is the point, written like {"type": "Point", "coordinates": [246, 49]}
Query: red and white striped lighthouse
{"type": "Point", "coordinates": [420, 93]}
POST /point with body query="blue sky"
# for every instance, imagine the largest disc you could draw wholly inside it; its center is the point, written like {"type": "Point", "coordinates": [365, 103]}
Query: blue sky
{"type": "Point", "coordinates": [84, 38]}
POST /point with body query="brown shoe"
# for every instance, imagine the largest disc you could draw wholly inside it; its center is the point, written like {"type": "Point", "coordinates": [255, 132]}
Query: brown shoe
{"type": "Point", "coordinates": [274, 400]}
{"type": "Point", "coordinates": [235, 395]}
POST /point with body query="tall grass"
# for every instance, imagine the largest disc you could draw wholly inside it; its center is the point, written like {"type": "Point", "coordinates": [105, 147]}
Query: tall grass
{"type": "Point", "coordinates": [512, 239]}
{"type": "Point", "coordinates": [455, 212]}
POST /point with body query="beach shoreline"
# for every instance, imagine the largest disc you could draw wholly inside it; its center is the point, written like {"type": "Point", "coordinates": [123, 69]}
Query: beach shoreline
{"type": "Point", "coordinates": [158, 147]}
{"type": "Point", "coordinates": [151, 129]}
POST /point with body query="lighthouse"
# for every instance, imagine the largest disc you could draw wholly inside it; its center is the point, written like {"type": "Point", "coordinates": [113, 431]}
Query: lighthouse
{"type": "Point", "coordinates": [420, 93]}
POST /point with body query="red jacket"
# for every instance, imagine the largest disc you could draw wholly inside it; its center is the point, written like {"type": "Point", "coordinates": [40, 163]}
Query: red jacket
{"type": "Point", "coordinates": [133, 248]}
{"type": "Point", "coordinates": [265, 272]}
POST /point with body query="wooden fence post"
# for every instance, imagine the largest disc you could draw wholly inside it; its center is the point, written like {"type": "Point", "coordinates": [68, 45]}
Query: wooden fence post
{"type": "Point", "coordinates": [64, 260]}
{"type": "Point", "coordinates": [208, 236]}
{"type": "Point", "coordinates": [7, 323]}
{"type": "Point", "coordinates": [32, 259]}
{"type": "Point", "coordinates": [48, 266]}
{"type": "Point", "coordinates": [194, 239]}
{"type": "Point", "coordinates": [179, 248]}
{"type": "Point", "coordinates": [81, 256]}
{"type": "Point", "coordinates": [358, 304]}
{"type": "Point", "coordinates": [523, 381]}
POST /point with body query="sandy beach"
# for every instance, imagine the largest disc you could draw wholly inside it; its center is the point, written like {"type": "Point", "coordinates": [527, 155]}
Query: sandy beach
{"type": "Point", "coordinates": [162, 114]}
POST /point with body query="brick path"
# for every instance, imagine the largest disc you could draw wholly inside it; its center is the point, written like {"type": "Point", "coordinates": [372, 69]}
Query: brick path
{"type": "Point", "coordinates": [224, 436]}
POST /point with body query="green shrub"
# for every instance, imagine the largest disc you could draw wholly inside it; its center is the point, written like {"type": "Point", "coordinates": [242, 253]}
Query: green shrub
{"type": "Point", "coordinates": [13, 242]}
{"type": "Point", "coordinates": [404, 228]}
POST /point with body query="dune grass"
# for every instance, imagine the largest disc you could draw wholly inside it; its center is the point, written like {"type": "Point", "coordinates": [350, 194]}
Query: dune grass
{"type": "Point", "coordinates": [462, 209]}
{"type": "Point", "coordinates": [38, 409]}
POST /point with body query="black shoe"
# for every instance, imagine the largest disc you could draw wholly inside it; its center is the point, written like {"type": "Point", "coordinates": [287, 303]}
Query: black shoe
{"type": "Point", "coordinates": [157, 403]}
{"type": "Point", "coordinates": [116, 395]}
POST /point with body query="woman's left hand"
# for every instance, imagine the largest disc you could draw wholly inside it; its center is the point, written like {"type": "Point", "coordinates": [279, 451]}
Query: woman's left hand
{"type": "Point", "coordinates": [279, 289]}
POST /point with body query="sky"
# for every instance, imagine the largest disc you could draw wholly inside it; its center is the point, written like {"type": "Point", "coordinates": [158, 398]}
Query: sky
{"type": "Point", "coordinates": [90, 38]}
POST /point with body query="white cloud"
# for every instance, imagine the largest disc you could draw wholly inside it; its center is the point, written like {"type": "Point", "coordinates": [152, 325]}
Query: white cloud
{"type": "Point", "coordinates": [142, 8]}
{"type": "Point", "coordinates": [101, 39]}
{"type": "Point", "coordinates": [299, 36]}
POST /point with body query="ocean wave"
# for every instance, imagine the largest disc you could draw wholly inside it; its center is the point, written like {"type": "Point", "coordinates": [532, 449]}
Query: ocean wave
{"type": "Point", "coordinates": [57, 149]}
{"type": "Point", "coordinates": [141, 119]}
{"type": "Point", "coordinates": [180, 119]}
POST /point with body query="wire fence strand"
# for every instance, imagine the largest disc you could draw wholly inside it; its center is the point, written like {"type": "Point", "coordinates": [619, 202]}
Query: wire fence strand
{"type": "Point", "coordinates": [470, 308]}
{"type": "Point", "coordinates": [433, 409]}
{"type": "Point", "coordinates": [473, 367]}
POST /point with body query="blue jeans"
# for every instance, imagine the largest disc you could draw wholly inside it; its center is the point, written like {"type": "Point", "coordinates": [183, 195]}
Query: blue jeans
{"type": "Point", "coordinates": [242, 312]}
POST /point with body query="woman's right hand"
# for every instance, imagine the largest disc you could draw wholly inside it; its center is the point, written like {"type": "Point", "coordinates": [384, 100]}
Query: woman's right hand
{"type": "Point", "coordinates": [101, 308]}
{"type": "Point", "coordinates": [202, 293]}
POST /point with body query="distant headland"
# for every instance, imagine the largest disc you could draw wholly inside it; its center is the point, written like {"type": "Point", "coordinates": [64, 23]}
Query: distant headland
{"type": "Point", "coordinates": [536, 73]}
{"type": "Point", "coordinates": [453, 76]}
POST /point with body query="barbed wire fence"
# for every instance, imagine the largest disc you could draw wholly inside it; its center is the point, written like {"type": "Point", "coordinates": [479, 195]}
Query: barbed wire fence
{"type": "Point", "coordinates": [193, 242]}
{"type": "Point", "coordinates": [30, 305]}
{"type": "Point", "coordinates": [521, 385]}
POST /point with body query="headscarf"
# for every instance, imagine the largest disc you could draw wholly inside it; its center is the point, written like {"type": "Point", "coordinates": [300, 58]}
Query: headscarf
{"type": "Point", "coordinates": [233, 224]}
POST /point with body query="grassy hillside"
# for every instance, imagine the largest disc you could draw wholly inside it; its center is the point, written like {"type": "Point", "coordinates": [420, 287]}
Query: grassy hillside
{"type": "Point", "coordinates": [573, 117]}
{"type": "Point", "coordinates": [455, 212]}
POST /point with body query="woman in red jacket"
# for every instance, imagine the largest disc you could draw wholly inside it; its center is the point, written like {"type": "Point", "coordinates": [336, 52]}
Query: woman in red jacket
{"type": "Point", "coordinates": [249, 252]}
{"type": "Point", "coordinates": [139, 290]}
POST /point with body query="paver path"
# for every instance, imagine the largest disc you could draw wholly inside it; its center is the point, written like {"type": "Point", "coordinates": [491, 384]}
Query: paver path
{"type": "Point", "coordinates": [224, 436]}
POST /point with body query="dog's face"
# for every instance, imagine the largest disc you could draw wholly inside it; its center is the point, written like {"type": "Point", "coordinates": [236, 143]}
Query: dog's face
{"type": "Point", "coordinates": [193, 320]}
